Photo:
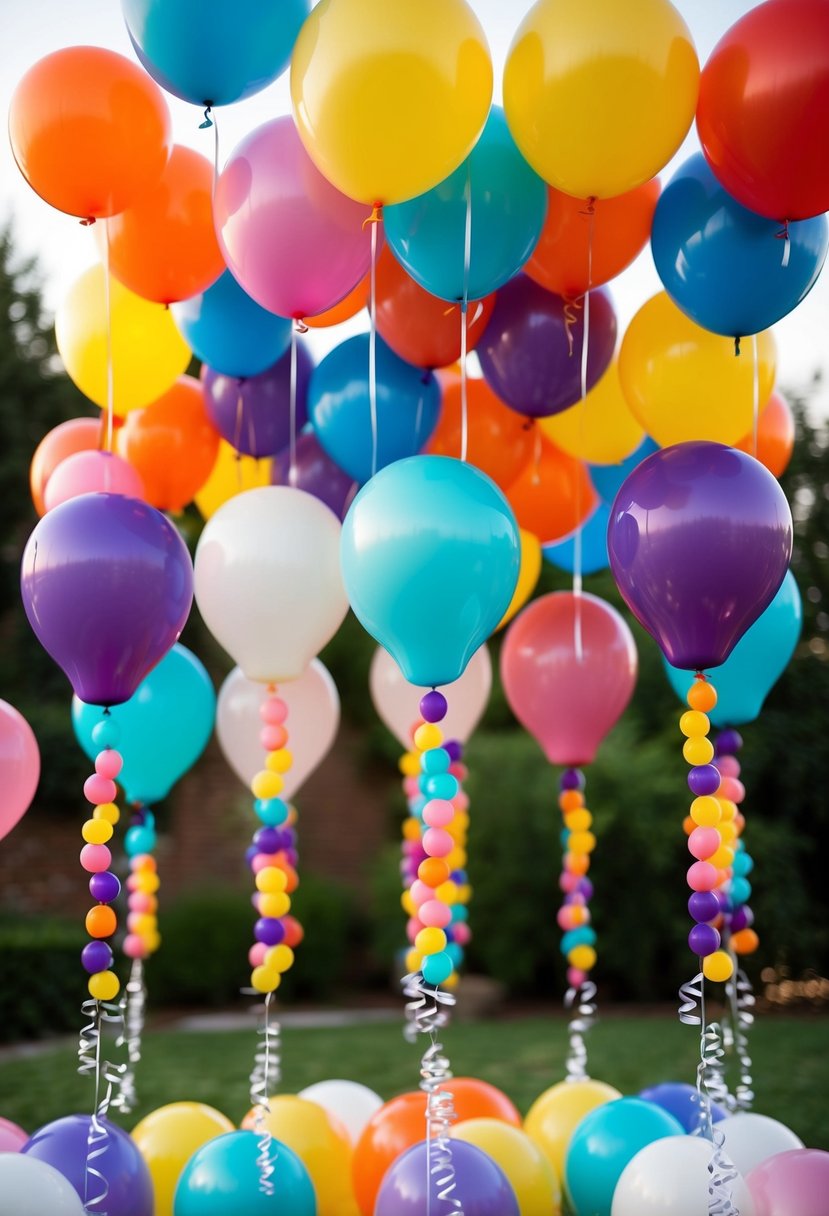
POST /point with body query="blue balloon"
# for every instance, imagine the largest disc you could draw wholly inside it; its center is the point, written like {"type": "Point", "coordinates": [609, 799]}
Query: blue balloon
{"type": "Point", "coordinates": [430, 556]}
{"type": "Point", "coordinates": [681, 1101]}
{"type": "Point", "coordinates": [427, 234]}
{"type": "Point", "coordinates": [214, 52]}
{"type": "Point", "coordinates": [602, 1145]}
{"type": "Point", "coordinates": [755, 664]}
{"type": "Point", "coordinates": [594, 554]}
{"type": "Point", "coordinates": [721, 263]}
{"type": "Point", "coordinates": [408, 405]}
{"type": "Point", "coordinates": [607, 478]}
{"type": "Point", "coordinates": [162, 729]}
{"type": "Point", "coordinates": [223, 1176]}
{"type": "Point", "coordinates": [229, 331]}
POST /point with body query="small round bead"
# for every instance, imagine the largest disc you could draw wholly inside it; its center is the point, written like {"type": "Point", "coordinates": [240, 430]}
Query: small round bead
{"type": "Point", "coordinates": [728, 833]}
{"type": "Point", "coordinates": [706, 811]}
{"type": "Point", "coordinates": [702, 696]}
{"type": "Point", "coordinates": [728, 766]}
{"type": "Point", "coordinates": [280, 958]}
{"type": "Point", "coordinates": [257, 952]}
{"type": "Point", "coordinates": [718, 967]}
{"type": "Point", "coordinates": [265, 979]}
{"type": "Point", "coordinates": [420, 893]}
{"type": "Point", "coordinates": [582, 957]}
{"type": "Point", "coordinates": [139, 902]}
{"type": "Point", "coordinates": [728, 742]}
{"type": "Point", "coordinates": [433, 871]}
{"type": "Point", "coordinates": [105, 733]}
{"type": "Point", "coordinates": [413, 960]}
{"type": "Point", "coordinates": [436, 841]}
{"type": "Point", "coordinates": [271, 811]}
{"type": "Point", "coordinates": [437, 968]}
{"type": "Point", "coordinates": [455, 749]}
{"type": "Point", "coordinates": [745, 941]}
{"type": "Point", "coordinates": [703, 940]}
{"type": "Point", "coordinates": [266, 784]}
{"type": "Point", "coordinates": [271, 880]}
{"type": "Point", "coordinates": [279, 760]}
{"type": "Point", "coordinates": [275, 905]}
{"type": "Point", "coordinates": [294, 932]}
{"type": "Point", "coordinates": [409, 764]}
{"type": "Point", "coordinates": [141, 923]}
{"type": "Point", "coordinates": [109, 764]}
{"type": "Point", "coordinates": [96, 956]}
{"type": "Point", "coordinates": [98, 789]}
{"type": "Point", "coordinates": [95, 858]}
{"type": "Point", "coordinates": [427, 736]}
{"type": "Point", "coordinates": [433, 706]}
{"type": "Point", "coordinates": [462, 934]}
{"type": "Point", "coordinates": [723, 859]}
{"type": "Point", "coordinates": [269, 930]}
{"type": "Point", "coordinates": [105, 887]}
{"type": "Point", "coordinates": [570, 800]}
{"type": "Point", "coordinates": [430, 941]}
{"type": "Point", "coordinates": [274, 711]}
{"type": "Point", "coordinates": [147, 882]}
{"type": "Point", "coordinates": [267, 840]}
{"type": "Point", "coordinates": [741, 918]}
{"type": "Point", "coordinates": [138, 840]}
{"type": "Point", "coordinates": [273, 737]}
{"type": "Point", "coordinates": [743, 864]}
{"type": "Point", "coordinates": [97, 831]}
{"type": "Point", "coordinates": [698, 751]}
{"type": "Point", "coordinates": [572, 779]}
{"type": "Point", "coordinates": [440, 785]}
{"type": "Point", "coordinates": [104, 986]}
{"type": "Point", "coordinates": [108, 811]}
{"type": "Point", "coordinates": [582, 842]}
{"type": "Point", "coordinates": [435, 914]}
{"type": "Point", "coordinates": [435, 761]}
{"type": "Point", "coordinates": [134, 946]}
{"type": "Point", "coordinates": [740, 891]}
{"type": "Point", "coordinates": [438, 813]}
{"type": "Point", "coordinates": [576, 863]}
{"type": "Point", "coordinates": [702, 876]}
{"type": "Point", "coordinates": [694, 724]}
{"type": "Point", "coordinates": [101, 921]}
{"type": "Point", "coordinates": [703, 906]}
{"type": "Point", "coordinates": [704, 779]}
{"type": "Point", "coordinates": [703, 843]}
{"type": "Point", "coordinates": [411, 830]}
{"type": "Point", "coordinates": [578, 821]}
{"type": "Point", "coordinates": [576, 977]}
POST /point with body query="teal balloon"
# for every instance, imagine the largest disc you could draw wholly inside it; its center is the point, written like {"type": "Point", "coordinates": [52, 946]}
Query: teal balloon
{"type": "Point", "coordinates": [594, 556]}
{"type": "Point", "coordinates": [229, 331]}
{"type": "Point", "coordinates": [607, 478]}
{"type": "Point", "coordinates": [602, 1145]}
{"type": "Point", "coordinates": [427, 234]}
{"type": "Point", "coordinates": [162, 729]}
{"type": "Point", "coordinates": [430, 556]}
{"type": "Point", "coordinates": [755, 664]}
{"type": "Point", "coordinates": [223, 1177]}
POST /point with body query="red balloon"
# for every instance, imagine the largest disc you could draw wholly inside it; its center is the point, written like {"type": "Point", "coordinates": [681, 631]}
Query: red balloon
{"type": "Point", "coordinates": [553, 494]}
{"type": "Point", "coordinates": [499, 441]}
{"type": "Point", "coordinates": [775, 436]}
{"type": "Point", "coordinates": [763, 114]}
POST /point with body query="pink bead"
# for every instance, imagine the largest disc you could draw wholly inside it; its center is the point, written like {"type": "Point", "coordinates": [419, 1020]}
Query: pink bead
{"type": "Point", "coordinates": [732, 789]}
{"type": "Point", "coordinates": [261, 861]}
{"type": "Point", "coordinates": [139, 902]}
{"type": "Point", "coordinates": [461, 801]}
{"type": "Point", "coordinates": [132, 882]}
{"type": "Point", "coordinates": [98, 790]}
{"type": "Point", "coordinates": [702, 876]}
{"type": "Point", "coordinates": [575, 897]}
{"type": "Point", "coordinates": [274, 711]}
{"type": "Point", "coordinates": [95, 858]}
{"type": "Point", "coordinates": [134, 946]}
{"type": "Point", "coordinates": [134, 919]}
{"type": "Point", "coordinates": [256, 954]}
{"type": "Point", "coordinates": [411, 787]}
{"type": "Point", "coordinates": [575, 977]}
{"type": "Point", "coordinates": [108, 763]}
{"type": "Point", "coordinates": [437, 813]}
{"type": "Point", "coordinates": [728, 766]}
{"type": "Point", "coordinates": [568, 882]}
{"type": "Point", "coordinates": [567, 918]}
{"type": "Point", "coordinates": [421, 893]}
{"type": "Point", "coordinates": [458, 769]}
{"type": "Point", "coordinates": [412, 847]}
{"type": "Point", "coordinates": [462, 933]}
{"type": "Point", "coordinates": [413, 927]}
{"type": "Point", "coordinates": [141, 860]}
{"type": "Point", "coordinates": [704, 842]}
{"type": "Point", "coordinates": [434, 914]}
{"type": "Point", "coordinates": [437, 842]}
{"type": "Point", "coordinates": [273, 737]}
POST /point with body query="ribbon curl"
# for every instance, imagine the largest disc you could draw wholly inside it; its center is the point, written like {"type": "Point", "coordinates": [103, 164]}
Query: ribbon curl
{"type": "Point", "coordinates": [267, 1072]}
{"type": "Point", "coordinates": [133, 1008]}
{"type": "Point", "coordinates": [740, 993]}
{"type": "Point", "coordinates": [583, 1001]}
{"type": "Point", "coordinates": [90, 1063]}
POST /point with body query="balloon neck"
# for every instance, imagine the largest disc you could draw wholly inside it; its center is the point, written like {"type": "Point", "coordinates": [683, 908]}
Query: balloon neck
{"type": "Point", "coordinates": [737, 342]}
{"type": "Point", "coordinates": [376, 216]}
{"type": "Point", "coordinates": [208, 121]}
{"type": "Point", "coordinates": [88, 222]}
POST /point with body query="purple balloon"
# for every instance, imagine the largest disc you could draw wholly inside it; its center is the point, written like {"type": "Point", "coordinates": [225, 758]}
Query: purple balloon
{"type": "Point", "coordinates": [526, 354]}
{"type": "Point", "coordinates": [700, 538]}
{"type": "Point", "coordinates": [107, 585]}
{"type": "Point", "coordinates": [254, 414]}
{"type": "Point", "coordinates": [795, 1183]}
{"type": "Point", "coordinates": [480, 1184]}
{"type": "Point", "coordinates": [63, 1144]}
{"type": "Point", "coordinates": [316, 473]}
{"type": "Point", "coordinates": [682, 1101]}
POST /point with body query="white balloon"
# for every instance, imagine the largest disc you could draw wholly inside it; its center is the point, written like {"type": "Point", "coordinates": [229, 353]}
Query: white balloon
{"type": "Point", "coordinates": [29, 1187]}
{"type": "Point", "coordinates": [353, 1104]}
{"type": "Point", "coordinates": [396, 700]}
{"type": "Point", "coordinates": [751, 1139]}
{"type": "Point", "coordinates": [312, 723]}
{"type": "Point", "coordinates": [268, 582]}
{"type": "Point", "coordinates": [670, 1177]}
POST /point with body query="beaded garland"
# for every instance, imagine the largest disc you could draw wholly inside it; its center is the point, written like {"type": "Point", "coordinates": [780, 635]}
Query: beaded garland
{"type": "Point", "coordinates": [96, 858]}
{"type": "Point", "coordinates": [143, 938]}
{"type": "Point", "coordinates": [738, 916]}
{"type": "Point", "coordinates": [578, 943]}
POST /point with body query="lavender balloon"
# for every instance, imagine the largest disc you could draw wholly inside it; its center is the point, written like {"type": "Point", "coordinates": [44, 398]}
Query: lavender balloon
{"type": "Point", "coordinates": [316, 473]}
{"type": "Point", "coordinates": [107, 585]}
{"type": "Point", "coordinates": [63, 1144]}
{"type": "Point", "coordinates": [480, 1184]}
{"type": "Point", "coordinates": [254, 413]}
{"type": "Point", "coordinates": [700, 538]}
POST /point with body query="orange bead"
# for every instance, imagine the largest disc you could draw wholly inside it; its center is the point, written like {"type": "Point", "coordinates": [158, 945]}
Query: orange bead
{"type": "Point", "coordinates": [292, 879]}
{"type": "Point", "coordinates": [411, 828]}
{"type": "Point", "coordinates": [433, 871]}
{"type": "Point", "coordinates": [101, 921]}
{"type": "Point", "coordinates": [570, 800]}
{"type": "Point", "coordinates": [688, 825]}
{"type": "Point", "coordinates": [745, 942]}
{"type": "Point", "coordinates": [576, 863]}
{"type": "Point", "coordinates": [702, 696]}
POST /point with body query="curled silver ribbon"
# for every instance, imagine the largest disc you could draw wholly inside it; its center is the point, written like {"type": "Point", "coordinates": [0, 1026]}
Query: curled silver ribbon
{"type": "Point", "coordinates": [267, 1071]}
{"type": "Point", "coordinates": [133, 1008]}
{"type": "Point", "coordinates": [92, 1064]}
{"type": "Point", "coordinates": [582, 1001]}
{"type": "Point", "coordinates": [740, 993]}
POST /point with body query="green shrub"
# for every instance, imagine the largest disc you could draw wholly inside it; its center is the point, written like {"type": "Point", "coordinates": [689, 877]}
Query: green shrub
{"type": "Point", "coordinates": [42, 983]}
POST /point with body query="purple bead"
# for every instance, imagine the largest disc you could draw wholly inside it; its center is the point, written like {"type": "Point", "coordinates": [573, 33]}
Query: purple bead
{"type": "Point", "coordinates": [585, 888]}
{"type": "Point", "coordinates": [104, 887]}
{"type": "Point", "coordinates": [703, 906]}
{"type": "Point", "coordinates": [95, 957]}
{"type": "Point", "coordinates": [724, 900]}
{"type": "Point", "coordinates": [292, 857]}
{"type": "Point", "coordinates": [433, 706]}
{"type": "Point", "coordinates": [455, 749]}
{"type": "Point", "coordinates": [458, 876]}
{"type": "Point", "coordinates": [269, 930]}
{"type": "Point", "coordinates": [572, 779]}
{"type": "Point", "coordinates": [728, 743]}
{"type": "Point", "coordinates": [704, 779]}
{"type": "Point", "coordinates": [267, 840]}
{"type": "Point", "coordinates": [742, 918]}
{"type": "Point", "coordinates": [703, 940]}
{"type": "Point", "coordinates": [250, 853]}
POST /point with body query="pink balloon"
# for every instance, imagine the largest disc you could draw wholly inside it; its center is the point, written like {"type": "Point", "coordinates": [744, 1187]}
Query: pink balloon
{"type": "Point", "coordinates": [19, 767]}
{"type": "Point", "coordinates": [89, 472]}
{"type": "Point", "coordinates": [396, 700]}
{"type": "Point", "coordinates": [12, 1137]}
{"type": "Point", "coordinates": [568, 703]}
{"type": "Point", "coordinates": [795, 1183]}
{"type": "Point", "coordinates": [293, 241]}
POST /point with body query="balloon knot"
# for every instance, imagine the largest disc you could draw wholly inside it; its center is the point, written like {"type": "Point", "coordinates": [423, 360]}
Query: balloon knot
{"type": "Point", "coordinates": [88, 222]}
{"type": "Point", "coordinates": [376, 216]}
{"type": "Point", "coordinates": [528, 424]}
{"type": "Point", "coordinates": [208, 121]}
{"type": "Point", "coordinates": [700, 675]}
{"type": "Point", "coordinates": [570, 319]}
{"type": "Point", "coordinates": [300, 326]}
{"type": "Point", "coordinates": [590, 208]}
{"type": "Point", "coordinates": [783, 235]}
{"type": "Point", "coordinates": [737, 341]}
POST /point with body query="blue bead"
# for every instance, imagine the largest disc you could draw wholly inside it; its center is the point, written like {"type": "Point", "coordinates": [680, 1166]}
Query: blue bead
{"type": "Point", "coordinates": [271, 811]}
{"type": "Point", "coordinates": [583, 936]}
{"type": "Point", "coordinates": [149, 819]}
{"type": "Point", "coordinates": [416, 807]}
{"type": "Point", "coordinates": [564, 837]}
{"type": "Point", "coordinates": [437, 967]}
{"type": "Point", "coordinates": [455, 952]}
{"type": "Point", "coordinates": [459, 912]}
{"type": "Point", "coordinates": [743, 865]}
{"type": "Point", "coordinates": [460, 877]}
{"type": "Point", "coordinates": [436, 760]}
{"type": "Point", "coordinates": [139, 840]}
{"type": "Point", "coordinates": [442, 785]}
{"type": "Point", "coordinates": [105, 733]}
{"type": "Point", "coordinates": [740, 891]}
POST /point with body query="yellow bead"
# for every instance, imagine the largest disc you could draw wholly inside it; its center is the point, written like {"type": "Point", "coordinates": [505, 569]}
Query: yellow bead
{"type": "Point", "coordinates": [276, 905]}
{"type": "Point", "coordinates": [280, 958]}
{"type": "Point", "coordinates": [451, 982]}
{"type": "Point", "coordinates": [414, 960]}
{"type": "Point", "coordinates": [723, 858]}
{"type": "Point", "coordinates": [428, 736]}
{"type": "Point", "coordinates": [96, 831]}
{"type": "Point", "coordinates": [698, 751]}
{"type": "Point", "coordinates": [578, 821]}
{"type": "Point", "coordinates": [430, 941]}
{"type": "Point", "coordinates": [447, 892]}
{"type": "Point", "coordinates": [718, 967]}
{"type": "Point", "coordinates": [153, 941]}
{"type": "Point", "coordinates": [143, 923]}
{"type": "Point", "coordinates": [265, 979]}
{"type": "Point", "coordinates": [144, 861]}
{"type": "Point", "coordinates": [456, 860]}
{"type": "Point", "coordinates": [266, 785]}
{"type": "Point", "coordinates": [108, 811]}
{"type": "Point", "coordinates": [408, 904]}
{"type": "Point", "coordinates": [729, 810]}
{"type": "Point", "coordinates": [147, 882]}
{"type": "Point", "coordinates": [702, 696]}
{"type": "Point", "coordinates": [409, 764]}
{"type": "Point", "coordinates": [279, 761]}
{"type": "Point", "coordinates": [728, 833]}
{"type": "Point", "coordinates": [693, 723]}
{"type": "Point", "coordinates": [411, 828]}
{"type": "Point", "coordinates": [271, 880]}
{"type": "Point", "coordinates": [104, 986]}
{"type": "Point", "coordinates": [581, 842]}
{"type": "Point", "coordinates": [706, 811]}
{"type": "Point", "coordinates": [464, 894]}
{"type": "Point", "coordinates": [582, 957]}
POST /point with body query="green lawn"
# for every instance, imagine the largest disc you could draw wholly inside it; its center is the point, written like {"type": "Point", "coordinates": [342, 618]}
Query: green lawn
{"type": "Point", "coordinates": [523, 1057]}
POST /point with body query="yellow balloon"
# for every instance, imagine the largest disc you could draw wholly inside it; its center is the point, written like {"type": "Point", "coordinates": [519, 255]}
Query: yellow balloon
{"type": "Point", "coordinates": [683, 382]}
{"type": "Point", "coordinates": [528, 575]}
{"type": "Point", "coordinates": [600, 94]}
{"type": "Point", "coordinates": [167, 1139]}
{"type": "Point", "coordinates": [390, 97]}
{"type": "Point", "coordinates": [552, 1118]}
{"type": "Point", "coordinates": [148, 352]}
{"type": "Point", "coordinates": [600, 429]}
{"type": "Point", "coordinates": [232, 474]}
{"type": "Point", "coordinates": [528, 1171]}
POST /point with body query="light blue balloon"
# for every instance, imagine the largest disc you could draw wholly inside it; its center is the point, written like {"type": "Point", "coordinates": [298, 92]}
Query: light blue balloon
{"type": "Point", "coordinates": [229, 331]}
{"type": "Point", "coordinates": [430, 555]}
{"type": "Point", "coordinates": [594, 555]}
{"type": "Point", "coordinates": [163, 728]}
{"type": "Point", "coordinates": [755, 664]}
{"type": "Point", "coordinates": [602, 1145]}
{"type": "Point", "coordinates": [509, 205]}
{"type": "Point", "coordinates": [408, 405]}
{"type": "Point", "coordinates": [607, 478]}
{"type": "Point", "coordinates": [223, 1177]}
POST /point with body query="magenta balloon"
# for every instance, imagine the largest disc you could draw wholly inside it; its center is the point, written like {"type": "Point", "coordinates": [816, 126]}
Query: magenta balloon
{"type": "Point", "coordinates": [12, 1137]}
{"type": "Point", "coordinates": [568, 703]}
{"type": "Point", "coordinates": [107, 585]}
{"type": "Point", "coordinates": [19, 775]}
{"type": "Point", "coordinates": [700, 539]}
{"type": "Point", "coordinates": [254, 413]}
{"type": "Point", "coordinates": [795, 1183]}
{"type": "Point", "coordinates": [293, 241]}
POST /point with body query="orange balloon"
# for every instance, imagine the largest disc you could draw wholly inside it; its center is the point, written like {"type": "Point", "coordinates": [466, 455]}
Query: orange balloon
{"type": "Point", "coordinates": [553, 493]}
{"type": "Point", "coordinates": [347, 308]}
{"type": "Point", "coordinates": [75, 435]}
{"type": "Point", "coordinates": [775, 436]}
{"type": "Point", "coordinates": [90, 131]}
{"type": "Point", "coordinates": [621, 227]}
{"type": "Point", "coordinates": [476, 1099]}
{"type": "Point", "coordinates": [499, 441]}
{"type": "Point", "coordinates": [173, 445]}
{"type": "Point", "coordinates": [164, 246]}
{"type": "Point", "coordinates": [390, 1131]}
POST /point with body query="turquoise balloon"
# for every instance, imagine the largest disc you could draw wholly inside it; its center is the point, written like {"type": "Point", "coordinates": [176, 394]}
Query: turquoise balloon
{"type": "Point", "coordinates": [755, 664]}
{"type": "Point", "coordinates": [430, 556]}
{"type": "Point", "coordinates": [223, 1177]}
{"type": "Point", "coordinates": [607, 478]}
{"type": "Point", "coordinates": [602, 1145]}
{"type": "Point", "coordinates": [427, 234]}
{"type": "Point", "coordinates": [594, 555]}
{"type": "Point", "coordinates": [162, 729]}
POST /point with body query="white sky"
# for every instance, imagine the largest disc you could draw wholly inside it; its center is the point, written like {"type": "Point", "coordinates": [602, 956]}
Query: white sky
{"type": "Point", "coordinates": [33, 28]}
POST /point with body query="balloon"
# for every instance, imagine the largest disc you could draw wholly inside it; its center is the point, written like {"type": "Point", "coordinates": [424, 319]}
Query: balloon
{"type": "Point", "coordinates": [314, 718]}
{"type": "Point", "coordinates": [775, 435]}
{"type": "Point", "coordinates": [525, 1167]}
{"type": "Point", "coordinates": [64, 440]}
{"type": "Point", "coordinates": [107, 585]}
{"type": "Point", "coordinates": [683, 1102]}
{"type": "Point", "coordinates": [700, 538]}
{"type": "Point", "coordinates": [232, 474]}
{"type": "Point", "coordinates": [763, 115]}
{"type": "Point", "coordinates": [594, 555]}
{"type": "Point", "coordinates": [531, 352]}
{"type": "Point", "coordinates": [350, 1103]}
{"type": "Point", "coordinates": [229, 331]}
{"type": "Point", "coordinates": [268, 582]}
{"type": "Point", "coordinates": [599, 428]}
{"type": "Point", "coordinates": [88, 472]}
{"type": "Point", "coordinates": [396, 701]}
{"type": "Point", "coordinates": [476, 1099]}
{"type": "Point", "coordinates": [413, 1187]}
{"type": "Point", "coordinates": [148, 352]}
{"type": "Point", "coordinates": [254, 413]}
{"type": "Point", "coordinates": [579, 249]}
{"type": "Point", "coordinates": [751, 1139]}
{"type": "Point", "coordinates": [126, 1186]}
{"type": "Point", "coordinates": [223, 1176]}
{"type": "Point", "coordinates": [499, 442]}
{"type": "Point", "coordinates": [554, 1116]}
{"type": "Point", "coordinates": [316, 473]}
{"type": "Point", "coordinates": [408, 403]}
{"type": "Point", "coordinates": [89, 131]}
{"type": "Point", "coordinates": [528, 575]}
{"type": "Point", "coordinates": [295, 244]}
{"type": "Point", "coordinates": [430, 559]}
{"type": "Point", "coordinates": [173, 444]}
{"type": "Point", "coordinates": [682, 382]}
{"type": "Point", "coordinates": [607, 479]}
{"type": "Point", "coordinates": [387, 109]}
{"type": "Point", "coordinates": [671, 1178]}
{"type": "Point", "coordinates": [12, 1137]}
{"type": "Point", "coordinates": [756, 663]}
{"type": "Point", "coordinates": [599, 97]}
{"type": "Point", "coordinates": [167, 1139]}
{"type": "Point", "coordinates": [791, 1184]}
{"type": "Point", "coordinates": [164, 727]}
{"type": "Point", "coordinates": [552, 495]}
{"type": "Point", "coordinates": [722, 264]}
{"type": "Point", "coordinates": [216, 57]}
{"type": "Point", "coordinates": [543, 666]}
{"type": "Point", "coordinates": [19, 775]}
{"type": "Point", "coordinates": [32, 1188]}
{"type": "Point", "coordinates": [346, 308]}
{"type": "Point", "coordinates": [507, 202]}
